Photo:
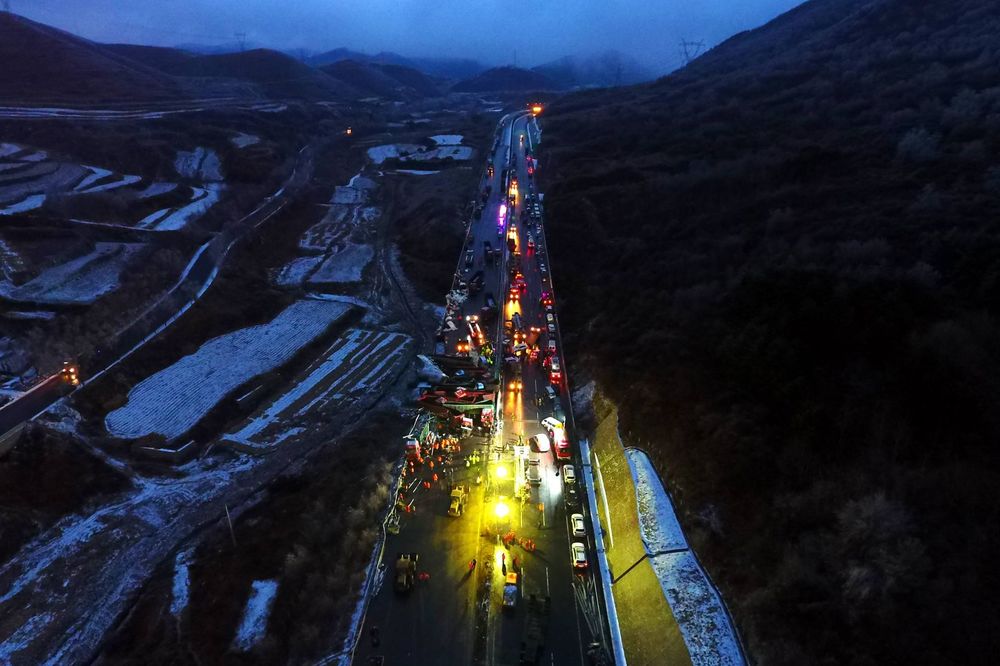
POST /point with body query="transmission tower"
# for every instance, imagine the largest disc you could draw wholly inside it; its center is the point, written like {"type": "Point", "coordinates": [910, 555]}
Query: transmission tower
{"type": "Point", "coordinates": [241, 37]}
{"type": "Point", "coordinates": [690, 50]}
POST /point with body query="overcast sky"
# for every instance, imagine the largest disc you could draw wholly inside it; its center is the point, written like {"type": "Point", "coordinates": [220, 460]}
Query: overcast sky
{"type": "Point", "coordinates": [488, 30]}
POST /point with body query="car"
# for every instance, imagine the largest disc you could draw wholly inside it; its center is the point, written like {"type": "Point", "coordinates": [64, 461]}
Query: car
{"type": "Point", "coordinates": [555, 372]}
{"type": "Point", "coordinates": [550, 347]}
{"type": "Point", "coordinates": [540, 443]}
{"type": "Point", "coordinates": [578, 556]}
{"type": "Point", "coordinates": [470, 258]}
{"type": "Point", "coordinates": [543, 269]}
{"type": "Point", "coordinates": [577, 525]}
{"type": "Point", "coordinates": [569, 475]}
{"type": "Point", "coordinates": [534, 475]}
{"type": "Point", "coordinates": [550, 322]}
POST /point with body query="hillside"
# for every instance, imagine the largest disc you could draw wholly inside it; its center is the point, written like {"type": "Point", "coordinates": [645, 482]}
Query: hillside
{"type": "Point", "coordinates": [415, 80]}
{"type": "Point", "coordinates": [162, 58]}
{"type": "Point", "coordinates": [46, 65]}
{"type": "Point", "coordinates": [276, 74]}
{"type": "Point", "coordinates": [506, 79]}
{"type": "Point", "coordinates": [600, 70]}
{"type": "Point", "coordinates": [388, 81]}
{"type": "Point", "coordinates": [792, 293]}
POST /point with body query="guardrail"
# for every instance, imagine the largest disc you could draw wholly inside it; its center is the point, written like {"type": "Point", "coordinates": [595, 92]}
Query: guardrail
{"type": "Point", "coordinates": [602, 557]}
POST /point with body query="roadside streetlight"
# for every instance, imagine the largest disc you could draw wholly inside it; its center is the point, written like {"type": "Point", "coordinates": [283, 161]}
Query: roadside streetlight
{"type": "Point", "coordinates": [501, 472]}
{"type": "Point", "coordinates": [501, 510]}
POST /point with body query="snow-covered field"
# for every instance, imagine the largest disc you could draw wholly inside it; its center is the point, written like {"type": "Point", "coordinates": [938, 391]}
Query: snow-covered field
{"type": "Point", "coordinates": [200, 163]}
{"type": "Point", "coordinates": [709, 636]}
{"type": "Point", "coordinates": [78, 281]}
{"type": "Point", "coordinates": [174, 399]}
{"type": "Point", "coordinates": [96, 174]}
{"type": "Point", "coordinates": [407, 152]}
{"type": "Point", "coordinates": [447, 139]}
{"type": "Point", "coordinates": [258, 608]}
{"type": "Point", "coordinates": [30, 202]}
{"type": "Point", "coordinates": [169, 219]}
{"type": "Point", "coordinates": [344, 266]}
{"type": "Point", "coordinates": [296, 271]}
{"type": "Point", "coordinates": [113, 185]}
{"type": "Point", "coordinates": [380, 154]}
{"type": "Point", "coordinates": [355, 362]}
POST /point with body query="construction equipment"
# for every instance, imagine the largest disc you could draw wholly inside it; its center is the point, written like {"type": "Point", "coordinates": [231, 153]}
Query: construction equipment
{"type": "Point", "coordinates": [459, 496]}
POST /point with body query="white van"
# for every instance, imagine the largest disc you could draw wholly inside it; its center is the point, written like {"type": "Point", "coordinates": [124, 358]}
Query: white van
{"type": "Point", "coordinates": [540, 443]}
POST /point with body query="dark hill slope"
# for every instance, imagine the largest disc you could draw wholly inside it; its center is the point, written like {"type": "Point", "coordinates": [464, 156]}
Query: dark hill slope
{"type": "Point", "coordinates": [276, 74]}
{"type": "Point", "coordinates": [793, 290]}
{"type": "Point", "coordinates": [162, 58]}
{"type": "Point", "coordinates": [364, 78]}
{"type": "Point", "coordinates": [45, 65]}
{"type": "Point", "coordinates": [506, 79]}
{"type": "Point", "coordinates": [413, 79]}
{"type": "Point", "coordinates": [600, 70]}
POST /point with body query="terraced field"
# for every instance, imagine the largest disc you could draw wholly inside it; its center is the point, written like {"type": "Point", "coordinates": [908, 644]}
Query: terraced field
{"type": "Point", "coordinates": [174, 399]}
{"type": "Point", "coordinates": [356, 363]}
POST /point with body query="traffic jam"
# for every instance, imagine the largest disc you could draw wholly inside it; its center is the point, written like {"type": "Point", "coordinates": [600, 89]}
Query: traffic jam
{"type": "Point", "coordinates": [527, 347]}
{"type": "Point", "coordinates": [492, 430]}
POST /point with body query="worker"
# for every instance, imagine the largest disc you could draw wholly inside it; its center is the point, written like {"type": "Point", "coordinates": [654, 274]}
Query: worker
{"type": "Point", "coordinates": [472, 564]}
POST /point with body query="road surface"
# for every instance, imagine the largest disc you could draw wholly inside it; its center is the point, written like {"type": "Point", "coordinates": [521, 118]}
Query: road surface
{"type": "Point", "coordinates": [437, 622]}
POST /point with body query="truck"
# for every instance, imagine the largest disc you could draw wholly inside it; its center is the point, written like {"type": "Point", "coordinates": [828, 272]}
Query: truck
{"type": "Point", "coordinates": [488, 252]}
{"type": "Point", "coordinates": [459, 496]}
{"type": "Point", "coordinates": [406, 571]}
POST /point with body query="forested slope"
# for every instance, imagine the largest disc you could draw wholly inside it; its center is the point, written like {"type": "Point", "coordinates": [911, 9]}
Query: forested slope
{"type": "Point", "coordinates": [792, 290]}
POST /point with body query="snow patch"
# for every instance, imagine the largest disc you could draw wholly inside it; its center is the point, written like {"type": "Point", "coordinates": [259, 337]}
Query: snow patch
{"type": "Point", "coordinates": [28, 203]}
{"type": "Point", "coordinates": [96, 174]}
{"type": "Point", "coordinates": [7, 149]}
{"type": "Point", "coordinates": [200, 163]}
{"type": "Point", "coordinates": [242, 140]}
{"type": "Point", "coordinates": [447, 139]}
{"type": "Point", "coordinates": [169, 219]}
{"type": "Point", "coordinates": [708, 634]}
{"type": "Point", "coordinates": [344, 266]}
{"type": "Point", "coordinates": [379, 154]}
{"type": "Point", "coordinates": [174, 399]}
{"type": "Point", "coordinates": [182, 582]}
{"type": "Point", "coordinates": [258, 608]}
{"type": "Point", "coordinates": [416, 172]}
{"type": "Point", "coordinates": [36, 156]}
{"type": "Point", "coordinates": [79, 281]}
{"type": "Point", "coordinates": [296, 271]}
{"type": "Point", "coordinates": [122, 182]}
{"type": "Point", "coordinates": [22, 638]}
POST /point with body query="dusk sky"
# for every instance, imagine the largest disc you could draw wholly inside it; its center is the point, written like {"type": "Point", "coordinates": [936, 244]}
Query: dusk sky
{"type": "Point", "coordinates": [488, 30]}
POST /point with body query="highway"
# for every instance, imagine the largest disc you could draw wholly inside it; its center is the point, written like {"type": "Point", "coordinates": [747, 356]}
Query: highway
{"type": "Point", "coordinates": [451, 618]}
